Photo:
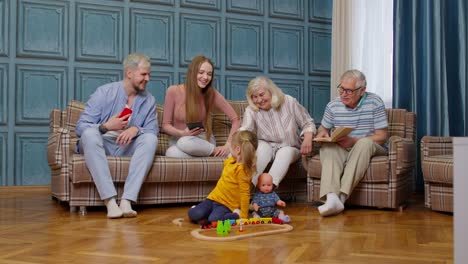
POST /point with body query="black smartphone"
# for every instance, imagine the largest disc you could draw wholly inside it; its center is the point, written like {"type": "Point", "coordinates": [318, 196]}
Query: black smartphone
{"type": "Point", "coordinates": [195, 125]}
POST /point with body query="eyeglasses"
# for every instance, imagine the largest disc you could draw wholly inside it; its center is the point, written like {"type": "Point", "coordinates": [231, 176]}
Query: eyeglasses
{"type": "Point", "coordinates": [342, 90]}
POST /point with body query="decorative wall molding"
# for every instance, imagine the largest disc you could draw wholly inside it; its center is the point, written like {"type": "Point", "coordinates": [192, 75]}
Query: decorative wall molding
{"type": "Point", "coordinates": [42, 29]}
{"type": "Point", "coordinates": [99, 33]}
{"type": "Point", "coordinates": [286, 51]}
{"type": "Point", "coordinates": [39, 89]}
{"type": "Point", "coordinates": [4, 33]}
{"type": "Point", "coordinates": [200, 35]}
{"type": "Point", "coordinates": [321, 11]}
{"type": "Point", "coordinates": [319, 51]}
{"type": "Point", "coordinates": [244, 47]}
{"type": "Point", "coordinates": [290, 9]}
{"type": "Point", "coordinates": [254, 7]}
{"type": "Point", "coordinates": [3, 158]}
{"type": "Point", "coordinates": [3, 93]}
{"type": "Point", "coordinates": [87, 80]}
{"type": "Point", "coordinates": [151, 33]}
{"type": "Point", "coordinates": [202, 4]}
{"type": "Point", "coordinates": [31, 162]}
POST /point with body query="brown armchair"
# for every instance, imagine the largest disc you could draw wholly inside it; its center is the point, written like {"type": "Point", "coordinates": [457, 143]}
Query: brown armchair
{"type": "Point", "coordinates": [388, 182]}
{"type": "Point", "coordinates": [437, 169]}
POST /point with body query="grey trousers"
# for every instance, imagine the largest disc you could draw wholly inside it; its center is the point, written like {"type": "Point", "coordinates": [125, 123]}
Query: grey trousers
{"type": "Point", "coordinates": [95, 147]}
{"type": "Point", "coordinates": [191, 146]}
{"type": "Point", "coordinates": [342, 170]}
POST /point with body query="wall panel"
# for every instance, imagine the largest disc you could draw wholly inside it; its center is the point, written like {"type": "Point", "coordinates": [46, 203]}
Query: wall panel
{"type": "Point", "coordinates": [4, 16]}
{"type": "Point", "coordinates": [200, 35]}
{"type": "Point", "coordinates": [319, 50]}
{"type": "Point", "coordinates": [158, 85]}
{"type": "Point", "coordinates": [286, 48]}
{"type": "Point", "coordinates": [54, 51]}
{"type": "Point", "coordinates": [3, 158]}
{"type": "Point", "coordinates": [31, 164]}
{"type": "Point", "coordinates": [292, 9]}
{"type": "Point", "coordinates": [88, 79]}
{"type": "Point", "coordinates": [236, 86]}
{"type": "Point", "coordinates": [254, 7]}
{"type": "Point", "coordinates": [42, 29]}
{"type": "Point", "coordinates": [40, 88]}
{"type": "Point", "coordinates": [244, 45]}
{"type": "Point", "coordinates": [3, 93]}
{"type": "Point", "coordinates": [99, 33]}
{"type": "Point", "coordinates": [151, 34]}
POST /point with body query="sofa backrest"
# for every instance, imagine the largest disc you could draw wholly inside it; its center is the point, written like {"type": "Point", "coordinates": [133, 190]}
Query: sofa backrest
{"type": "Point", "coordinates": [401, 123]}
{"type": "Point", "coordinates": [221, 123]}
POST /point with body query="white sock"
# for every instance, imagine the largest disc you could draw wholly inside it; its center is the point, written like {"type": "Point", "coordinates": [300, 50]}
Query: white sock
{"type": "Point", "coordinates": [343, 197]}
{"type": "Point", "coordinates": [126, 207]}
{"type": "Point", "coordinates": [113, 211]}
{"type": "Point", "coordinates": [332, 206]}
{"type": "Point", "coordinates": [237, 211]}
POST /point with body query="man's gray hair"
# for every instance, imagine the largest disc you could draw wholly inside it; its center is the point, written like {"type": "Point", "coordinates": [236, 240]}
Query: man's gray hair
{"type": "Point", "coordinates": [356, 75]}
{"type": "Point", "coordinates": [134, 59]}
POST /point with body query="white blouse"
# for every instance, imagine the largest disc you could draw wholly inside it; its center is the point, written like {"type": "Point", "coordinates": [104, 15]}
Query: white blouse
{"type": "Point", "coordinates": [279, 127]}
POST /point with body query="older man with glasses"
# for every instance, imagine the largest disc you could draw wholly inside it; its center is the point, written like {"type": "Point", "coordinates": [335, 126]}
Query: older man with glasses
{"type": "Point", "coordinates": [345, 162]}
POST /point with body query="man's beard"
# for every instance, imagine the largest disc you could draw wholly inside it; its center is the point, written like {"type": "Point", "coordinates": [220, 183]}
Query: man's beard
{"type": "Point", "coordinates": [138, 89]}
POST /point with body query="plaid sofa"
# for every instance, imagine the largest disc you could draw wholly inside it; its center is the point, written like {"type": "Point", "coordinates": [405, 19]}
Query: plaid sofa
{"type": "Point", "coordinates": [437, 169]}
{"type": "Point", "coordinates": [170, 180]}
{"type": "Point", "coordinates": [388, 181]}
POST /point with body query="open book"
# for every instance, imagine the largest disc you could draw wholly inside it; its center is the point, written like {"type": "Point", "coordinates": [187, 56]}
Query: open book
{"type": "Point", "coordinates": [336, 134]}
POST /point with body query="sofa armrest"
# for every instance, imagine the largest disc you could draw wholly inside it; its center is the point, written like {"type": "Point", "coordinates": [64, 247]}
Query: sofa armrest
{"type": "Point", "coordinates": [434, 146]}
{"type": "Point", "coordinates": [55, 120]}
{"type": "Point", "coordinates": [58, 146]}
{"type": "Point", "coordinates": [402, 156]}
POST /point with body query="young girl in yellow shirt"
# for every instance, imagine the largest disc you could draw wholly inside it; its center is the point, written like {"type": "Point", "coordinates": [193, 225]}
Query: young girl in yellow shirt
{"type": "Point", "coordinates": [230, 198]}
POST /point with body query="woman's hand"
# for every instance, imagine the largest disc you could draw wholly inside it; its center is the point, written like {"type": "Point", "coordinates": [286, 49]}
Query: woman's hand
{"type": "Point", "coordinates": [191, 132]}
{"type": "Point", "coordinates": [307, 143]}
{"type": "Point", "coordinates": [221, 151]}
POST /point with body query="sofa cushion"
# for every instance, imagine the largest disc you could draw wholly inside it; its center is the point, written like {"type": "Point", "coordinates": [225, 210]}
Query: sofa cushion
{"type": "Point", "coordinates": [164, 169]}
{"type": "Point", "coordinates": [438, 169]}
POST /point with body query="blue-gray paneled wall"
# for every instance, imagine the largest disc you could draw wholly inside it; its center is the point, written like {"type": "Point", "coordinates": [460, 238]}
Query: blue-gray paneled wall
{"type": "Point", "coordinates": [54, 51]}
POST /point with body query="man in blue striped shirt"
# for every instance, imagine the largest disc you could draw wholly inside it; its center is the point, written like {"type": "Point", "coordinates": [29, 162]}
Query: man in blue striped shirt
{"type": "Point", "coordinates": [345, 162]}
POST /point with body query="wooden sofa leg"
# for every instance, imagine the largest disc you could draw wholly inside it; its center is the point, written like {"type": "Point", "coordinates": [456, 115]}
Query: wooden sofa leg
{"type": "Point", "coordinates": [83, 210]}
{"type": "Point", "coordinates": [402, 207]}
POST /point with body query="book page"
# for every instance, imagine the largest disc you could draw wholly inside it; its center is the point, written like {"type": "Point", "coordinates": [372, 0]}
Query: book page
{"type": "Point", "coordinates": [336, 134]}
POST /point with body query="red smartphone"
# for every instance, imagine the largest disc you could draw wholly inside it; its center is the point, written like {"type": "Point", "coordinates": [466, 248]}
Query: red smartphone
{"type": "Point", "coordinates": [125, 112]}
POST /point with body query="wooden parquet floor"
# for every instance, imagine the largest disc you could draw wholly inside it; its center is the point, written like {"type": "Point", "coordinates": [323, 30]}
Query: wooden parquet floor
{"type": "Point", "coordinates": [36, 229]}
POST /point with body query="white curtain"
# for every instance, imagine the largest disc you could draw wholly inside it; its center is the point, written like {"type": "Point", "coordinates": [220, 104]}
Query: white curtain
{"type": "Point", "coordinates": [362, 38]}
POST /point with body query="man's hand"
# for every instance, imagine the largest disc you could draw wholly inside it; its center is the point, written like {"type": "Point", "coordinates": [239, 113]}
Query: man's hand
{"type": "Point", "coordinates": [127, 135]}
{"type": "Point", "coordinates": [116, 123]}
{"type": "Point", "coordinates": [347, 142]}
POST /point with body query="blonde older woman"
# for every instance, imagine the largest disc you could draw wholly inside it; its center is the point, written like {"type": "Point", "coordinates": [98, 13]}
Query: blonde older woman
{"type": "Point", "coordinates": [279, 121]}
